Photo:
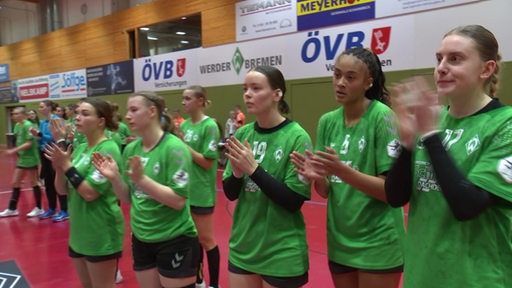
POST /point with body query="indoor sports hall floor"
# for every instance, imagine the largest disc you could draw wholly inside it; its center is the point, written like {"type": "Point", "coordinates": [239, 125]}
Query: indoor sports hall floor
{"type": "Point", "coordinates": [39, 247]}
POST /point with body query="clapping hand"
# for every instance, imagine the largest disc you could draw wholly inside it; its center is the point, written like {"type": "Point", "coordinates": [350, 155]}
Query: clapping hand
{"type": "Point", "coordinates": [416, 107]}
{"type": "Point", "coordinates": [241, 157]}
{"type": "Point", "coordinates": [328, 162]}
{"type": "Point", "coordinates": [136, 171]}
{"type": "Point", "coordinates": [58, 128]}
{"type": "Point", "coordinates": [106, 165]}
{"type": "Point", "coordinates": [305, 167]}
{"type": "Point", "coordinates": [60, 157]}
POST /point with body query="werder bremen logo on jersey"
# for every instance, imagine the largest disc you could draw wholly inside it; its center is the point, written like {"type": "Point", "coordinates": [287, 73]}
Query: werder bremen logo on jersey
{"type": "Point", "coordinates": [156, 168]}
{"type": "Point", "coordinates": [237, 60]}
{"type": "Point", "coordinates": [472, 145]}
{"type": "Point", "coordinates": [361, 144]}
{"type": "Point", "coordinates": [278, 154]}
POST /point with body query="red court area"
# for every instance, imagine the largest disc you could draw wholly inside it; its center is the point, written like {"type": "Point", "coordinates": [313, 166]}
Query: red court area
{"type": "Point", "coordinates": [39, 247]}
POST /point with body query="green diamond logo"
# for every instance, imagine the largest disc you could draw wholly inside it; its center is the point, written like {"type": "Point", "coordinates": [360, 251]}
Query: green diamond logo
{"type": "Point", "coordinates": [237, 60]}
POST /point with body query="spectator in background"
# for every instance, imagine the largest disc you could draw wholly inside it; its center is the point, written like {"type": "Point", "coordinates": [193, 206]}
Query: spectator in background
{"type": "Point", "coordinates": [240, 117]}
{"type": "Point", "coordinates": [230, 125]}
{"type": "Point", "coordinates": [177, 119]}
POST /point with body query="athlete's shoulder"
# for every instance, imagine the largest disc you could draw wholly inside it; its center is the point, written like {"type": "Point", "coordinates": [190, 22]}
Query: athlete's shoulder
{"type": "Point", "coordinates": [494, 119]}
{"type": "Point", "coordinates": [380, 114]}
{"type": "Point", "coordinates": [379, 107]}
{"type": "Point", "coordinates": [128, 150]}
{"type": "Point", "coordinates": [210, 120]}
{"type": "Point", "coordinates": [123, 125]}
{"type": "Point", "coordinates": [332, 114]}
{"type": "Point", "coordinates": [186, 122]}
{"type": "Point", "coordinates": [27, 123]}
{"type": "Point", "coordinates": [247, 128]}
{"type": "Point", "coordinates": [330, 120]}
{"type": "Point", "coordinates": [172, 147]}
{"type": "Point", "coordinates": [80, 148]}
{"type": "Point", "coordinates": [294, 125]}
{"type": "Point", "coordinates": [108, 144]}
{"type": "Point", "coordinates": [502, 113]}
{"type": "Point", "coordinates": [211, 123]}
{"type": "Point", "coordinates": [172, 141]}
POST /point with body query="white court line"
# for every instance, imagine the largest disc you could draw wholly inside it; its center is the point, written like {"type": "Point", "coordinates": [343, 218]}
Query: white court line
{"type": "Point", "coordinates": [18, 277]}
{"type": "Point", "coordinates": [10, 191]}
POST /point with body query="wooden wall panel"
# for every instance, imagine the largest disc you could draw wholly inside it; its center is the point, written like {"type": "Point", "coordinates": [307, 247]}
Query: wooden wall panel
{"type": "Point", "coordinates": [218, 26]}
{"type": "Point", "coordinates": [104, 40]}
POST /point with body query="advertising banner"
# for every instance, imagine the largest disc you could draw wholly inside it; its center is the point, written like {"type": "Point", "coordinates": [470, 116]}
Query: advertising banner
{"type": "Point", "coordinates": [111, 79]}
{"type": "Point", "coordinates": [397, 7]}
{"type": "Point", "coordinates": [321, 13]}
{"type": "Point", "coordinates": [71, 84]}
{"type": "Point", "coordinates": [6, 95]}
{"type": "Point", "coordinates": [33, 89]}
{"type": "Point", "coordinates": [171, 71]}
{"type": "Point", "coordinates": [4, 72]}
{"type": "Point", "coordinates": [261, 18]}
{"type": "Point", "coordinates": [310, 54]}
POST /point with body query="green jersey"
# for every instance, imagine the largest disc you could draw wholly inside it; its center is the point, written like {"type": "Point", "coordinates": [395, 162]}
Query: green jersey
{"type": "Point", "coordinates": [442, 251]}
{"type": "Point", "coordinates": [97, 226]}
{"type": "Point", "coordinates": [30, 156]}
{"type": "Point", "coordinates": [362, 232]}
{"type": "Point", "coordinates": [203, 138]}
{"type": "Point", "coordinates": [168, 163]}
{"type": "Point", "coordinates": [266, 238]}
{"type": "Point", "coordinates": [120, 135]}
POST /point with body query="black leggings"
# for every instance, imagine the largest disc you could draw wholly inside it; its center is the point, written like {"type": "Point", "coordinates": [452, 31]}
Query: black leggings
{"type": "Point", "coordinates": [48, 175]}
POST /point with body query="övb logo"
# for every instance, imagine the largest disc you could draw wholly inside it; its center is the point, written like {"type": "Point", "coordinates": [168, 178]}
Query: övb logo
{"type": "Point", "coordinates": [162, 70]}
{"type": "Point", "coordinates": [331, 44]}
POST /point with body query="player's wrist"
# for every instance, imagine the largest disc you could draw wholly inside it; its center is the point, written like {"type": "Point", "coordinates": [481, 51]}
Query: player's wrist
{"type": "Point", "coordinates": [429, 134]}
{"type": "Point", "coordinates": [73, 176]}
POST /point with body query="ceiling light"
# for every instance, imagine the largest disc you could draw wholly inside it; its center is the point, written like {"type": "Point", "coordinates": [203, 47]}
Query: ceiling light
{"type": "Point", "coordinates": [152, 38]}
{"type": "Point", "coordinates": [144, 28]}
{"type": "Point", "coordinates": [184, 42]}
{"type": "Point", "coordinates": [181, 33]}
{"type": "Point", "coordinates": [183, 18]}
